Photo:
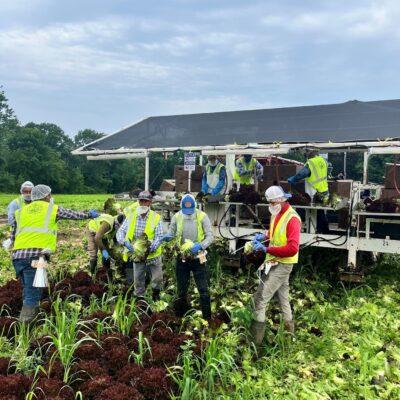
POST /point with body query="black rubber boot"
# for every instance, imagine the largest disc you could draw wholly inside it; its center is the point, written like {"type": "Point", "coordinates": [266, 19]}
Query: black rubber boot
{"type": "Point", "coordinates": [129, 276]}
{"type": "Point", "coordinates": [156, 294]}
{"type": "Point", "coordinates": [257, 332]}
{"type": "Point", "coordinates": [107, 267]}
{"type": "Point", "coordinates": [28, 314]}
{"type": "Point", "coordinates": [93, 267]}
{"type": "Point", "coordinates": [205, 305]}
{"type": "Point", "coordinates": [181, 307]}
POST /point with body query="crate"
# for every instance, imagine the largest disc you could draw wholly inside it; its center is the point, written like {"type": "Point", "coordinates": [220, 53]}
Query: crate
{"type": "Point", "coordinates": [288, 187]}
{"type": "Point", "coordinates": [167, 185]}
{"type": "Point", "coordinates": [181, 174]}
{"type": "Point", "coordinates": [390, 174]}
{"type": "Point", "coordinates": [389, 194]}
{"type": "Point", "coordinates": [280, 172]}
{"type": "Point", "coordinates": [182, 185]}
{"type": "Point", "coordinates": [341, 187]}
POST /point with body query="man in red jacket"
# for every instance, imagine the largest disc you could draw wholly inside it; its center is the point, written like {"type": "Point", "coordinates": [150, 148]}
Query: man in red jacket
{"type": "Point", "coordinates": [281, 254]}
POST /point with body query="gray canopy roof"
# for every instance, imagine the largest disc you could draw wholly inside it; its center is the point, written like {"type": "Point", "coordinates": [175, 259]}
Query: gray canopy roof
{"type": "Point", "coordinates": [350, 121]}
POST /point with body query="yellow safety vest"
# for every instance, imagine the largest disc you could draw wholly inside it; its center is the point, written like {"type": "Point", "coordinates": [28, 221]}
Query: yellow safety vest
{"type": "Point", "coordinates": [20, 201]}
{"type": "Point", "coordinates": [152, 221]}
{"type": "Point", "coordinates": [94, 224]}
{"type": "Point", "coordinates": [319, 174]}
{"type": "Point", "coordinates": [131, 208]}
{"type": "Point", "coordinates": [246, 179]}
{"type": "Point", "coordinates": [36, 226]}
{"type": "Point", "coordinates": [278, 238]}
{"type": "Point", "coordinates": [179, 226]}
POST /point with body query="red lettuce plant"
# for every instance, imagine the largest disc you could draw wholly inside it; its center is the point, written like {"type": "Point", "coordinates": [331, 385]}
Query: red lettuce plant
{"type": "Point", "coordinates": [14, 385]}
{"type": "Point", "coordinates": [120, 391]}
{"type": "Point", "coordinates": [93, 387]}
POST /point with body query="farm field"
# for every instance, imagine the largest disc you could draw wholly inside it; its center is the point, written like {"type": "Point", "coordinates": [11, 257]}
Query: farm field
{"type": "Point", "coordinates": [92, 340]}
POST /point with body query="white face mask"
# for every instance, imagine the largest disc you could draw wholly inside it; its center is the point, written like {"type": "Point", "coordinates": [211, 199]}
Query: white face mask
{"type": "Point", "coordinates": [213, 163]}
{"type": "Point", "coordinates": [274, 210]}
{"type": "Point", "coordinates": [27, 197]}
{"type": "Point", "coordinates": [142, 209]}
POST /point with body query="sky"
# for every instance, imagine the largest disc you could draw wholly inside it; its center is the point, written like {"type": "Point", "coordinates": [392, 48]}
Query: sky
{"type": "Point", "coordinates": [105, 65]}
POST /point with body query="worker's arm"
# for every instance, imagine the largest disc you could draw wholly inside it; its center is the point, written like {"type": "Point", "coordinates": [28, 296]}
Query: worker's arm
{"type": "Point", "coordinates": [293, 240]}
{"type": "Point", "coordinates": [221, 183]}
{"type": "Point", "coordinates": [121, 233]}
{"type": "Point", "coordinates": [12, 207]}
{"type": "Point", "coordinates": [240, 169]}
{"type": "Point", "coordinates": [104, 228]}
{"type": "Point", "coordinates": [13, 231]}
{"type": "Point", "coordinates": [65, 213]}
{"type": "Point", "coordinates": [158, 234]}
{"type": "Point", "coordinates": [302, 174]}
{"type": "Point", "coordinates": [259, 170]}
{"type": "Point", "coordinates": [208, 235]}
{"type": "Point", "coordinates": [204, 185]}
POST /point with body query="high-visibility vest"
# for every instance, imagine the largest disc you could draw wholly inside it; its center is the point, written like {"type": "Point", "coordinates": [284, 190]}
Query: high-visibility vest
{"type": "Point", "coordinates": [319, 174]}
{"type": "Point", "coordinates": [278, 237]}
{"type": "Point", "coordinates": [213, 177]}
{"type": "Point", "coordinates": [152, 221]}
{"type": "Point", "coordinates": [20, 202]}
{"type": "Point", "coordinates": [36, 226]}
{"type": "Point", "coordinates": [94, 224]}
{"type": "Point", "coordinates": [245, 179]}
{"type": "Point", "coordinates": [179, 226]}
{"type": "Point", "coordinates": [131, 208]}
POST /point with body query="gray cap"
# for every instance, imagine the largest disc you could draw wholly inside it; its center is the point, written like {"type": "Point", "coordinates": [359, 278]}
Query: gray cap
{"type": "Point", "coordinates": [145, 195]}
{"type": "Point", "coordinates": [40, 192]}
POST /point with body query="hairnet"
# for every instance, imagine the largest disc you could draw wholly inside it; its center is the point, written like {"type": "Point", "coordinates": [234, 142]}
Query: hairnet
{"type": "Point", "coordinates": [26, 184]}
{"type": "Point", "coordinates": [40, 192]}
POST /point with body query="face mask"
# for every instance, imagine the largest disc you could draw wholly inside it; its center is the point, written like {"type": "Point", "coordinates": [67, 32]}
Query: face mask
{"type": "Point", "coordinates": [274, 210]}
{"type": "Point", "coordinates": [142, 209]}
{"type": "Point", "coordinates": [27, 197]}
{"type": "Point", "coordinates": [247, 158]}
{"type": "Point", "coordinates": [213, 163]}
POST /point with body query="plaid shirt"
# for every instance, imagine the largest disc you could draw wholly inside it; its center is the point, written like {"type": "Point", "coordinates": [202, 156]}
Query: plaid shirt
{"type": "Point", "coordinates": [62, 213]}
{"type": "Point", "coordinates": [140, 227]}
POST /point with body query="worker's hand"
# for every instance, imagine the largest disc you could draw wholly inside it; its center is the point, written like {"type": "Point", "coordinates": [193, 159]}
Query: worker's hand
{"type": "Point", "coordinates": [167, 238]}
{"type": "Point", "coordinates": [128, 245]}
{"type": "Point", "coordinates": [260, 247]}
{"type": "Point", "coordinates": [196, 248]}
{"type": "Point", "coordinates": [292, 180]}
{"type": "Point", "coordinates": [93, 214]}
{"type": "Point", "coordinates": [105, 254]}
{"type": "Point", "coordinates": [259, 237]}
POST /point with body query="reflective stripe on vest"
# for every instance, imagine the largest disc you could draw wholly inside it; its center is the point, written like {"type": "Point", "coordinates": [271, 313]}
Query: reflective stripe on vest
{"type": "Point", "coordinates": [153, 220]}
{"type": "Point", "coordinates": [213, 177]}
{"type": "Point", "coordinates": [20, 201]}
{"type": "Point", "coordinates": [131, 208]}
{"type": "Point", "coordinates": [94, 224]}
{"type": "Point", "coordinates": [246, 179]}
{"type": "Point", "coordinates": [278, 236]}
{"type": "Point", "coordinates": [319, 174]}
{"type": "Point", "coordinates": [36, 226]}
{"type": "Point", "coordinates": [179, 226]}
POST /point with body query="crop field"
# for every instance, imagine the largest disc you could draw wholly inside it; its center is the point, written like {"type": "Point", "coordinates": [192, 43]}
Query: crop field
{"type": "Point", "coordinates": [92, 341]}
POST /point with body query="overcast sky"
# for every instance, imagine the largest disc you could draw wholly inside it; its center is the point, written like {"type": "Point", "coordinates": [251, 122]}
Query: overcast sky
{"type": "Point", "coordinates": [107, 64]}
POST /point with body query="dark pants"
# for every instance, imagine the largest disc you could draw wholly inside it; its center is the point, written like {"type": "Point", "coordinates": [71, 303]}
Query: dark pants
{"type": "Point", "coordinates": [200, 274]}
{"type": "Point", "coordinates": [24, 271]}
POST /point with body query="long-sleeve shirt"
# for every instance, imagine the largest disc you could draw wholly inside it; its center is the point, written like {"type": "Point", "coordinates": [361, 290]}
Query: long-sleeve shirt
{"type": "Point", "coordinates": [11, 209]}
{"type": "Point", "coordinates": [190, 229]}
{"type": "Point", "coordinates": [62, 213]}
{"type": "Point", "coordinates": [302, 174]}
{"type": "Point", "coordinates": [258, 167]}
{"type": "Point", "coordinates": [293, 230]}
{"type": "Point", "coordinates": [221, 181]}
{"type": "Point", "coordinates": [100, 235]}
{"type": "Point", "coordinates": [140, 227]}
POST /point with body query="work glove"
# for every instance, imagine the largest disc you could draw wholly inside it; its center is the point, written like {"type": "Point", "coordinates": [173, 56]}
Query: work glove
{"type": "Point", "coordinates": [259, 237]}
{"type": "Point", "coordinates": [260, 247]}
{"type": "Point", "coordinates": [167, 238]}
{"type": "Point", "coordinates": [105, 254]}
{"type": "Point", "coordinates": [292, 180]}
{"type": "Point", "coordinates": [196, 248]}
{"type": "Point", "coordinates": [93, 214]}
{"type": "Point", "coordinates": [128, 245]}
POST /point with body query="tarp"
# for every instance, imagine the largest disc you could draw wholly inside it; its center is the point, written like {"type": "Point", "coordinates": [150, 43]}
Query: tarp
{"type": "Point", "coordinates": [350, 121]}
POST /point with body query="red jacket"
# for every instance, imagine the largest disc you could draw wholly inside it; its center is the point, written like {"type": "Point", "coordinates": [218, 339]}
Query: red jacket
{"type": "Point", "coordinates": [293, 236]}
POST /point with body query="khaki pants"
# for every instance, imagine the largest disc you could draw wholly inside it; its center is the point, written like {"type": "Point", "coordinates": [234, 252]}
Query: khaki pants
{"type": "Point", "coordinates": [92, 246]}
{"type": "Point", "coordinates": [276, 282]}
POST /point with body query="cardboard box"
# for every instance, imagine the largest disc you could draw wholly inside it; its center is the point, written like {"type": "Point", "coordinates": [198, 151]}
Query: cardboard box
{"type": "Point", "coordinates": [167, 185]}
{"type": "Point", "coordinates": [181, 174]}
{"type": "Point", "coordinates": [280, 172]}
{"type": "Point", "coordinates": [182, 185]}
{"type": "Point", "coordinates": [390, 171]}
{"type": "Point", "coordinates": [288, 187]}
{"type": "Point", "coordinates": [342, 188]}
{"type": "Point", "coordinates": [389, 194]}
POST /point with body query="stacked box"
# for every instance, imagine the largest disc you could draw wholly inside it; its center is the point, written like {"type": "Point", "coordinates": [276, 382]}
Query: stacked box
{"type": "Point", "coordinates": [182, 185]}
{"type": "Point", "coordinates": [281, 172]}
{"type": "Point", "coordinates": [342, 188]}
{"type": "Point", "coordinates": [288, 187]}
{"type": "Point", "coordinates": [180, 173]}
{"type": "Point", "coordinates": [389, 194]}
{"type": "Point", "coordinates": [167, 185]}
{"type": "Point", "coordinates": [390, 171]}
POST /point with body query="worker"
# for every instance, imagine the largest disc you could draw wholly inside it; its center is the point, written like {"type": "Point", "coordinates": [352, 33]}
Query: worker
{"type": "Point", "coordinates": [214, 177]}
{"type": "Point", "coordinates": [281, 253]}
{"type": "Point", "coordinates": [100, 232]}
{"type": "Point", "coordinates": [246, 168]}
{"type": "Point", "coordinates": [192, 224]}
{"type": "Point", "coordinates": [20, 201]}
{"type": "Point", "coordinates": [143, 220]}
{"type": "Point", "coordinates": [34, 230]}
{"type": "Point", "coordinates": [315, 172]}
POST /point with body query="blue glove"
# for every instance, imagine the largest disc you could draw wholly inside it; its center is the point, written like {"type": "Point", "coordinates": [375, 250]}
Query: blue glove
{"type": "Point", "coordinates": [93, 214]}
{"type": "Point", "coordinates": [196, 248]}
{"type": "Point", "coordinates": [167, 238]}
{"type": "Point", "coordinates": [105, 254]}
{"type": "Point", "coordinates": [128, 245]}
{"type": "Point", "coordinates": [292, 180]}
{"type": "Point", "coordinates": [260, 247]}
{"type": "Point", "coordinates": [259, 237]}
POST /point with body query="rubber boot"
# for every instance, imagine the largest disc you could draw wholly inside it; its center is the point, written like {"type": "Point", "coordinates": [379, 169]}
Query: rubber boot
{"type": "Point", "coordinates": [257, 332]}
{"type": "Point", "coordinates": [107, 267]}
{"type": "Point", "coordinates": [129, 276]}
{"type": "Point", "coordinates": [181, 307]}
{"type": "Point", "coordinates": [28, 313]}
{"type": "Point", "coordinates": [156, 294]}
{"type": "Point", "coordinates": [289, 327]}
{"type": "Point", "coordinates": [93, 267]}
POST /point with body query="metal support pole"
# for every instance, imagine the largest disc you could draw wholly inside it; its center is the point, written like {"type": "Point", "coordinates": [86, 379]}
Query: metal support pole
{"type": "Point", "coordinates": [189, 180]}
{"type": "Point", "coordinates": [345, 165]}
{"type": "Point", "coordinates": [365, 169]}
{"type": "Point", "coordinates": [147, 173]}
